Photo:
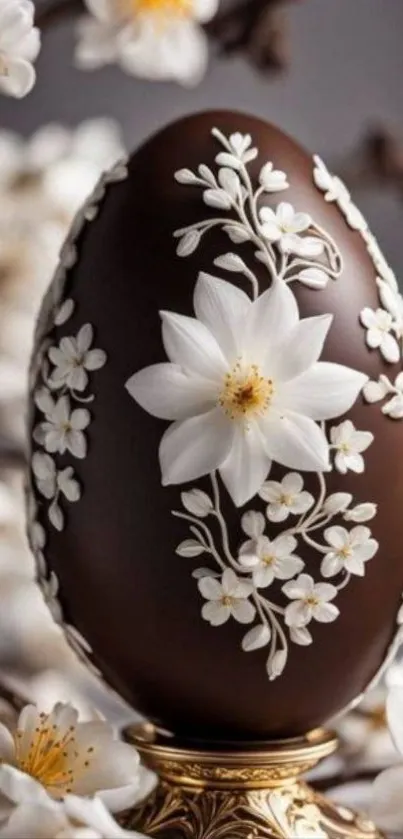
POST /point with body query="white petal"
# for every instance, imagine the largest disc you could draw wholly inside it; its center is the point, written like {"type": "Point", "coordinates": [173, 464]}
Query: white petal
{"type": "Point", "coordinates": [222, 307]}
{"type": "Point", "coordinates": [176, 51]}
{"type": "Point", "coordinates": [275, 312]}
{"type": "Point", "coordinates": [331, 565]}
{"type": "Point", "coordinates": [325, 612]}
{"type": "Point", "coordinates": [165, 391]}
{"type": "Point", "coordinates": [300, 635]}
{"type": "Point", "coordinates": [275, 665]}
{"type": "Point", "coordinates": [263, 576]}
{"type": "Point", "coordinates": [210, 588]}
{"type": "Point", "coordinates": [256, 638]}
{"type": "Point", "coordinates": [195, 447]}
{"type": "Point", "coordinates": [337, 503]}
{"type": "Point", "coordinates": [337, 537]}
{"type": "Point", "coordinates": [197, 502]}
{"type": "Point", "coordinates": [323, 392]}
{"type": "Point", "coordinates": [243, 611]}
{"type": "Point", "coordinates": [386, 800]}
{"type": "Point", "coordinates": [297, 614]}
{"type": "Point", "coordinates": [301, 348]}
{"type": "Point", "coordinates": [292, 483]}
{"type": "Point", "coordinates": [20, 78]}
{"type": "Point", "coordinates": [302, 587]}
{"type": "Point", "coordinates": [253, 524]}
{"type": "Point", "coordinates": [390, 349]}
{"type": "Point", "coordinates": [7, 747]}
{"type": "Point", "coordinates": [247, 464]}
{"type": "Point", "coordinates": [216, 613]}
{"type": "Point", "coordinates": [230, 582]}
{"type": "Point", "coordinates": [93, 813]}
{"type": "Point", "coordinates": [85, 337]}
{"type": "Point", "coordinates": [287, 567]}
{"type": "Point", "coordinates": [95, 359]}
{"type": "Point", "coordinates": [80, 419]}
{"type": "Point", "coordinates": [191, 345]}
{"type": "Point", "coordinates": [394, 705]}
{"type": "Point", "coordinates": [314, 278]}
{"type": "Point", "coordinates": [297, 442]}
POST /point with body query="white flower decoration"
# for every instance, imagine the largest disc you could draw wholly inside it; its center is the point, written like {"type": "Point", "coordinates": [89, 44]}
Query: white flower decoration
{"type": "Point", "coordinates": [245, 387]}
{"type": "Point", "coordinates": [63, 429]}
{"type": "Point", "coordinates": [239, 152]}
{"type": "Point", "coordinates": [349, 445]}
{"type": "Point", "coordinates": [65, 755]}
{"type": "Point", "coordinates": [311, 601]}
{"type": "Point", "coordinates": [271, 559]}
{"type": "Point", "coordinates": [351, 549]}
{"type": "Point", "coordinates": [392, 300]}
{"type": "Point", "coordinates": [286, 497]}
{"type": "Point", "coordinates": [284, 226]}
{"type": "Point", "coordinates": [19, 47]}
{"type": "Point", "coordinates": [228, 598]}
{"type": "Point", "coordinates": [379, 260]}
{"type": "Point", "coordinates": [158, 40]}
{"type": "Point", "coordinates": [51, 484]}
{"type": "Point", "coordinates": [273, 180]}
{"type": "Point", "coordinates": [73, 358]}
{"type": "Point", "coordinates": [335, 190]}
{"type": "Point", "coordinates": [375, 391]}
{"type": "Point", "coordinates": [379, 326]}
{"type": "Point", "coordinates": [386, 795]}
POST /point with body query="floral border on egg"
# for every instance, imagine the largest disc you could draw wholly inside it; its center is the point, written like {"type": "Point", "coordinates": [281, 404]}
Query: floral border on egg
{"type": "Point", "coordinates": [50, 365]}
{"type": "Point", "coordinates": [288, 243]}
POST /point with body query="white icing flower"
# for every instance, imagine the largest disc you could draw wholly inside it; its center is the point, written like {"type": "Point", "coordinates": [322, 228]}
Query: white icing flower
{"type": "Point", "coordinates": [228, 598]}
{"type": "Point", "coordinates": [73, 358]}
{"type": "Point", "coordinates": [64, 755]}
{"type": "Point", "coordinates": [284, 226]}
{"type": "Point", "coordinates": [335, 190]}
{"type": "Point", "coordinates": [349, 445]}
{"type": "Point", "coordinates": [351, 549]}
{"type": "Point", "coordinates": [245, 387]}
{"type": "Point", "coordinates": [63, 429]}
{"type": "Point", "coordinates": [285, 498]}
{"type": "Point", "coordinates": [379, 260]}
{"type": "Point", "coordinates": [270, 560]}
{"type": "Point", "coordinates": [311, 601]}
{"type": "Point", "coordinates": [273, 180]}
{"type": "Point", "coordinates": [392, 300]}
{"type": "Point", "coordinates": [379, 326]}
{"type": "Point", "coordinates": [360, 513]}
{"type": "Point", "coordinates": [158, 39]}
{"type": "Point", "coordinates": [239, 150]}
{"type": "Point", "coordinates": [386, 795]}
{"type": "Point", "coordinates": [375, 391]}
{"type": "Point", "coordinates": [51, 483]}
{"type": "Point", "coordinates": [19, 47]}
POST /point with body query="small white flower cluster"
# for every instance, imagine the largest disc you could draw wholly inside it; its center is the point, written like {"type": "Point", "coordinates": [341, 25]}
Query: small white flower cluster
{"type": "Point", "coordinates": [19, 47]}
{"type": "Point", "coordinates": [63, 778]}
{"type": "Point", "coordinates": [384, 389]}
{"type": "Point", "coordinates": [288, 242]}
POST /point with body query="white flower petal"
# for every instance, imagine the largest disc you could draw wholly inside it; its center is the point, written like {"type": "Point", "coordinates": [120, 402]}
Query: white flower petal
{"type": "Point", "coordinates": [275, 312]}
{"type": "Point", "coordinates": [246, 465]}
{"type": "Point", "coordinates": [325, 612]}
{"type": "Point", "coordinates": [222, 307]}
{"type": "Point", "coordinates": [216, 613]}
{"type": "Point", "coordinates": [210, 588]}
{"type": "Point", "coordinates": [301, 348]}
{"type": "Point", "coordinates": [341, 385]}
{"type": "Point", "coordinates": [20, 78]}
{"type": "Point", "coordinates": [191, 345]}
{"type": "Point", "coordinates": [386, 800]}
{"type": "Point", "coordinates": [195, 447]}
{"type": "Point", "coordinates": [176, 51]}
{"type": "Point", "coordinates": [331, 565]}
{"type": "Point", "coordinates": [165, 391]}
{"type": "Point", "coordinates": [243, 611]}
{"type": "Point", "coordinates": [253, 524]}
{"type": "Point", "coordinates": [394, 705]}
{"type": "Point", "coordinates": [390, 349]}
{"type": "Point", "coordinates": [256, 638]}
{"type": "Point", "coordinates": [297, 442]}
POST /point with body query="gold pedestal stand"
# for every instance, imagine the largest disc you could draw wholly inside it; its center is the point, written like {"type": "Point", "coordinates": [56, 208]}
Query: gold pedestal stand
{"type": "Point", "coordinates": [253, 793]}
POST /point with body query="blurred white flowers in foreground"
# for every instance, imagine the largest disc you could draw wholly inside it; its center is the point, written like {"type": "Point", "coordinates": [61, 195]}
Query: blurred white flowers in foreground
{"type": "Point", "coordinates": [19, 47]}
{"type": "Point", "coordinates": [154, 39]}
{"type": "Point", "coordinates": [58, 775]}
{"type": "Point", "coordinates": [387, 798]}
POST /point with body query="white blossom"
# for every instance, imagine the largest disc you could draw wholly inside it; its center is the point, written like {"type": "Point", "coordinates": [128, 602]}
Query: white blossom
{"type": "Point", "coordinates": [386, 798]}
{"type": "Point", "coordinates": [349, 445]}
{"type": "Point", "coordinates": [350, 550]}
{"type": "Point", "coordinates": [159, 40]}
{"type": "Point", "coordinates": [283, 226]}
{"type": "Point", "coordinates": [19, 47]}
{"type": "Point", "coordinates": [286, 497]}
{"type": "Point", "coordinates": [310, 601]}
{"type": "Point", "coordinates": [392, 300]}
{"type": "Point", "coordinates": [244, 386]}
{"type": "Point", "coordinates": [63, 428]}
{"type": "Point", "coordinates": [272, 180]}
{"type": "Point", "coordinates": [375, 391]}
{"type": "Point", "coordinates": [228, 598]}
{"type": "Point", "coordinates": [73, 359]}
{"type": "Point", "coordinates": [379, 326]}
{"type": "Point", "coordinates": [239, 150]}
{"type": "Point", "coordinates": [271, 559]}
{"type": "Point", "coordinates": [335, 190]}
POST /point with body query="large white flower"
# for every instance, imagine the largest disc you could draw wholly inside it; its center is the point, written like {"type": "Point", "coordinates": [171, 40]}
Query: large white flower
{"type": "Point", "coordinates": [310, 601]}
{"type": "Point", "coordinates": [284, 227]}
{"type": "Point", "coordinates": [63, 428]}
{"type": "Point", "coordinates": [386, 800]}
{"type": "Point", "coordinates": [73, 358]}
{"type": "Point", "coordinates": [155, 39]}
{"type": "Point", "coordinates": [350, 550]}
{"type": "Point", "coordinates": [67, 756]}
{"type": "Point", "coordinates": [349, 445]}
{"type": "Point", "coordinates": [286, 497]}
{"type": "Point", "coordinates": [379, 326]}
{"type": "Point", "coordinates": [19, 47]}
{"type": "Point", "coordinates": [271, 559]}
{"type": "Point", "coordinates": [244, 386]}
{"type": "Point", "coordinates": [228, 598]}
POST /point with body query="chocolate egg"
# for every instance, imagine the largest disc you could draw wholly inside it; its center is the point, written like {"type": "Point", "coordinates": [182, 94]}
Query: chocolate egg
{"type": "Point", "coordinates": [217, 436]}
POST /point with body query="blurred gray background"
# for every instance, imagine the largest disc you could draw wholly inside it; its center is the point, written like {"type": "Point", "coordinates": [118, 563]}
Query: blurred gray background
{"type": "Point", "coordinates": [345, 75]}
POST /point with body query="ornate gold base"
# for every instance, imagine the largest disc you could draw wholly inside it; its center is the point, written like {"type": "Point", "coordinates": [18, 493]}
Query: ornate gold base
{"type": "Point", "coordinates": [255, 793]}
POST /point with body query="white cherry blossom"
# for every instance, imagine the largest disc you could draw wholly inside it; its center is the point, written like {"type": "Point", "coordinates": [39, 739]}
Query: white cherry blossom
{"type": "Point", "coordinates": [73, 358]}
{"type": "Point", "coordinates": [284, 226]}
{"type": "Point", "coordinates": [162, 39]}
{"type": "Point", "coordinates": [63, 428]}
{"type": "Point", "coordinates": [349, 445]}
{"type": "Point", "coordinates": [244, 387]}
{"type": "Point", "coordinates": [271, 559]}
{"type": "Point", "coordinates": [350, 550]}
{"type": "Point", "coordinates": [286, 497]}
{"type": "Point", "coordinates": [228, 598]}
{"type": "Point", "coordinates": [379, 326]}
{"type": "Point", "coordinates": [19, 47]}
{"type": "Point", "coordinates": [311, 601]}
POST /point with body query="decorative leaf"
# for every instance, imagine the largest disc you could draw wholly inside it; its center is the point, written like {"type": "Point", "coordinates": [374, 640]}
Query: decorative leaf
{"type": "Point", "coordinates": [186, 176]}
{"type": "Point", "coordinates": [207, 175]}
{"type": "Point", "coordinates": [361, 513]}
{"type": "Point", "coordinates": [276, 664]}
{"type": "Point", "coordinates": [253, 524]}
{"type": "Point", "coordinates": [311, 246]}
{"type": "Point", "coordinates": [65, 312]}
{"type": "Point", "coordinates": [56, 516]}
{"type": "Point", "coordinates": [204, 572]}
{"type": "Point", "coordinates": [188, 243]}
{"type": "Point", "coordinates": [229, 181]}
{"type": "Point", "coordinates": [197, 503]}
{"type": "Point", "coordinates": [256, 638]}
{"type": "Point", "coordinates": [190, 548]}
{"type": "Point", "coordinates": [217, 198]}
{"type": "Point", "coordinates": [238, 235]}
{"type": "Point", "coordinates": [374, 391]}
{"type": "Point", "coordinates": [227, 159]}
{"type": "Point", "coordinates": [337, 503]}
{"type": "Point", "coordinates": [300, 635]}
{"type": "Point", "coordinates": [231, 262]}
{"type": "Point", "coordinates": [314, 278]}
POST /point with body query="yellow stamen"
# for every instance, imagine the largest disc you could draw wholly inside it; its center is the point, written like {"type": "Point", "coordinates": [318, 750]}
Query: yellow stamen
{"type": "Point", "coordinates": [312, 600]}
{"type": "Point", "coordinates": [268, 559]}
{"type": "Point", "coordinates": [226, 600]}
{"type": "Point", "coordinates": [246, 392]}
{"type": "Point", "coordinates": [157, 9]}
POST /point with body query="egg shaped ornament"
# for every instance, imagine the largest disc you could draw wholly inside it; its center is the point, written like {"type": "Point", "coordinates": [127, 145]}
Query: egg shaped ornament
{"type": "Point", "coordinates": [217, 436]}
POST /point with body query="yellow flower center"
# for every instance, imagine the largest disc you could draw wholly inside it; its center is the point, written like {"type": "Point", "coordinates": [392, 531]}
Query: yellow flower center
{"type": "Point", "coordinates": [246, 392]}
{"type": "Point", "coordinates": [226, 600]}
{"type": "Point", "coordinates": [268, 559]}
{"type": "Point", "coordinates": [51, 758]}
{"type": "Point", "coordinates": [345, 552]}
{"type": "Point", "coordinates": [157, 9]}
{"type": "Point", "coordinates": [344, 447]}
{"type": "Point", "coordinates": [312, 600]}
{"type": "Point", "coordinates": [287, 500]}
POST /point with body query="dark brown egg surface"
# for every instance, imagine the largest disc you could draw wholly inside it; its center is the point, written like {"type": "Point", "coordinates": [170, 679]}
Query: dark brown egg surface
{"type": "Point", "coordinates": [104, 520]}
